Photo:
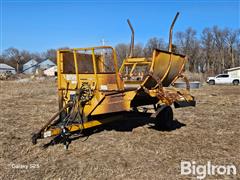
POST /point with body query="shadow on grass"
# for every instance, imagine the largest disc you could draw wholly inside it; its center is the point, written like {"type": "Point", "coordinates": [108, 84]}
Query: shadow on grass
{"type": "Point", "coordinates": [126, 122]}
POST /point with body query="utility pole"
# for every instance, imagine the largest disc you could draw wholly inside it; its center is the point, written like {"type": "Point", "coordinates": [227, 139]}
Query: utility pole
{"type": "Point", "coordinates": [19, 59]}
{"type": "Point", "coordinates": [18, 62]}
{"type": "Point", "coordinates": [103, 41]}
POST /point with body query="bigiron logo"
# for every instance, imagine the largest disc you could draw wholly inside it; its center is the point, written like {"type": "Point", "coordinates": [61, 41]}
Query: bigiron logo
{"type": "Point", "coordinates": [201, 171]}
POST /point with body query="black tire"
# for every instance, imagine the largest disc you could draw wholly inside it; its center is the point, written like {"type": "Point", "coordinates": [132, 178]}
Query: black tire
{"type": "Point", "coordinates": [235, 82]}
{"type": "Point", "coordinates": [164, 119]}
{"type": "Point", "coordinates": [211, 82]}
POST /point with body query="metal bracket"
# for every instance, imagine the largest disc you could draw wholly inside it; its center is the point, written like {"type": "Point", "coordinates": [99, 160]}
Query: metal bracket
{"type": "Point", "coordinates": [154, 115]}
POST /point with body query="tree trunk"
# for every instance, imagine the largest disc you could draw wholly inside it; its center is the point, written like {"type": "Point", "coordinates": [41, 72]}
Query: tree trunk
{"type": "Point", "coordinates": [222, 61]}
{"type": "Point", "coordinates": [232, 57]}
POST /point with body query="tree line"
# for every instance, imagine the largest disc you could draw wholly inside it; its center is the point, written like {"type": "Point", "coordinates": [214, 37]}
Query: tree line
{"type": "Point", "coordinates": [212, 51]}
{"type": "Point", "coordinates": [16, 58]}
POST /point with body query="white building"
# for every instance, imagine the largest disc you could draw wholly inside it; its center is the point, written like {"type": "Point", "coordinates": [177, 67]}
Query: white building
{"type": "Point", "coordinates": [4, 68]}
{"type": "Point", "coordinates": [52, 71]}
{"type": "Point", "coordinates": [30, 67]}
{"type": "Point", "coordinates": [46, 64]}
{"type": "Point", "coordinates": [233, 72]}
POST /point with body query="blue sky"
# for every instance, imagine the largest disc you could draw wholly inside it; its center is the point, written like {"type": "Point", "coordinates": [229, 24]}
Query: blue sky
{"type": "Point", "coordinates": [41, 25]}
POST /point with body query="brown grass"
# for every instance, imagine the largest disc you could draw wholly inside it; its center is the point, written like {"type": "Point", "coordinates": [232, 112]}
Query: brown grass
{"type": "Point", "coordinates": [211, 134]}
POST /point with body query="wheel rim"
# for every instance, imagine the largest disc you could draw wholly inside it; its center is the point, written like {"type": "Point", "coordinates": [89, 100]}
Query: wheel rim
{"type": "Point", "coordinates": [235, 82]}
{"type": "Point", "coordinates": [211, 82]}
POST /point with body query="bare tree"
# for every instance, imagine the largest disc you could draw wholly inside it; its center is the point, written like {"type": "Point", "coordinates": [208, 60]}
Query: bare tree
{"type": "Point", "coordinates": [26, 55]}
{"type": "Point", "coordinates": [237, 52]}
{"type": "Point", "coordinates": [207, 42]}
{"type": "Point", "coordinates": [231, 41]}
{"type": "Point", "coordinates": [153, 43]}
{"type": "Point", "coordinates": [188, 44]}
{"type": "Point", "coordinates": [37, 56]}
{"type": "Point", "coordinates": [12, 57]}
{"type": "Point", "coordinates": [50, 54]}
{"type": "Point", "coordinates": [220, 39]}
{"type": "Point", "coordinates": [2, 60]}
{"type": "Point", "coordinates": [11, 53]}
{"type": "Point", "coordinates": [122, 52]}
{"type": "Point", "coordinates": [138, 50]}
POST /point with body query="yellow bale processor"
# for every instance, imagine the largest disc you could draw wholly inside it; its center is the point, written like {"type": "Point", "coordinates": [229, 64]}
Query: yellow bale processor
{"type": "Point", "coordinates": [92, 90]}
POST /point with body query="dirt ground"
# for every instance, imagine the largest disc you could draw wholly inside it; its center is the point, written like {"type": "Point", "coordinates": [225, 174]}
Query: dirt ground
{"type": "Point", "coordinates": [208, 132]}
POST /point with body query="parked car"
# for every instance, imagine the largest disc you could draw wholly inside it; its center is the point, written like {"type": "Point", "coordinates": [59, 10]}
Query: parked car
{"type": "Point", "coordinates": [223, 79]}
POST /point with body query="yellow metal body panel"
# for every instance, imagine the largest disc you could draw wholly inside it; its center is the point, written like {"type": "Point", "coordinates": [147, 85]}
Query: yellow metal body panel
{"type": "Point", "coordinates": [71, 66]}
{"type": "Point", "coordinates": [115, 103]}
{"type": "Point", "coordinates": [77, 127]}
{"type": "Point", "coordinates": [165, 66]}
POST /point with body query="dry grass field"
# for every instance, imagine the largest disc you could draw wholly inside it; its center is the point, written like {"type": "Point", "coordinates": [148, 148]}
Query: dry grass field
{"type": "Point", "coordinates": [211, 133]}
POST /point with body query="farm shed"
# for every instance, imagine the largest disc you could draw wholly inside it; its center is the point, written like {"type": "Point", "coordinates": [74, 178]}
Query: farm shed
{"type": "Point", "coordinates": [46, 64]}
{"type": "Point", "coordinates": [234, 72]}
{"type": "Point", "coordinates": [52, 71]}
{"type": "Point", "coordinates": [30, 67]}
{"type": "Point", "coordinates": [4, 68]}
